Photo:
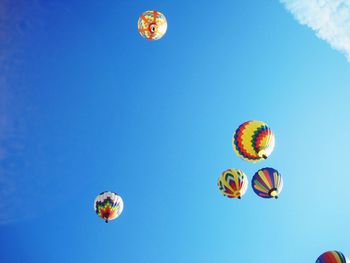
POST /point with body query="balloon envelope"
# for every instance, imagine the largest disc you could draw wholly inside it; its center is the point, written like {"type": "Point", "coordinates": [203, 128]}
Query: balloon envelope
{"type": "Point", "coordinates": [332, 257]}
{"type": "Point", "coordinates": [253, 141]}
{"type": "Point", "coordinates": [233, 183]}
{"type": "Point", "coordinates": [267, 183]}
{"type": "Point", "coordinates": [108, 205]}
{"type": "Point", "coordinates": [152, 25]}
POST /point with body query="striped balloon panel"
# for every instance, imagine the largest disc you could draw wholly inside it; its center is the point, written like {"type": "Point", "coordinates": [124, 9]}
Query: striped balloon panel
{"type": "Point", "coordinates": [233, 183]}
{"type": "Point", "coordinates": [332, 257]}
{"type": "Point", "coordinates": [108, 205]}
{"type": "Point", "coordinates": [152, 25]}
{"type": "Point", "coordinates": [253, 141]}
{"type": "Point", "coordinates": [267, 183]}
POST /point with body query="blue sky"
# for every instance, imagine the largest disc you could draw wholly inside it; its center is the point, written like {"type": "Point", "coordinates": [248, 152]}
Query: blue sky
{"type": "Point", "coordinates": [87, 105]}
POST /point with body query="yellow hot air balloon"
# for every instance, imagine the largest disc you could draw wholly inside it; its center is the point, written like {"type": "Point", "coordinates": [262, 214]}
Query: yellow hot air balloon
{"type": "Point", "coordinates": [233, 183]}
{"type": "Point", "coordinates": [253, 141]}
{"type": "Point", "coordinates": [152, 25]}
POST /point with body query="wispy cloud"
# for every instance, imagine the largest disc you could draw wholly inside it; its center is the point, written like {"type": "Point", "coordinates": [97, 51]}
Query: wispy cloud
{"type": "Point", "coordinates": [8, 35]}
{"type": "Point", "coordinates": [25, 182]}
{"type": "Point", "coordinates": [330, 19]}
{"type": "Point", "coordinates": [12, 123]}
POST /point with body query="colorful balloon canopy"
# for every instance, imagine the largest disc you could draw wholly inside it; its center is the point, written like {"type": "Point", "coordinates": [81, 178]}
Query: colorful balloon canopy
{"type": "Point", "coordinates": [267, 183]}
{"type": "Point", "coordinates": [152, 25]}
{"type": "Point", "coordinates": [253, 141]}
{"type": "Point", "coordinates": [108, 205]}
{"type": "Point", "coordinates": [233, 183]}
{"type": "Point", "coordinates": [332, 257]}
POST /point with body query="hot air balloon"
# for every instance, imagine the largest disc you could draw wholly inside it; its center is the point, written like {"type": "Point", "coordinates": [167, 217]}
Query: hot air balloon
{"type": "Point", "coordinates": [332, 257]}
{"type": "Point", "coordinates": [152, 25]}
{"type": "Point", "coordinates": [108, 205]}
{"type": "Point", "coordinates": [233, 183]}
{"type": "Point", "coordinates": [267, 183]}
{"type": "Point", "coordinates": [253, 141]}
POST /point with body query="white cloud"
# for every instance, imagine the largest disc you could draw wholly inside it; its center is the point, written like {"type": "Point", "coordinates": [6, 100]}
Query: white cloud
{"type": "Point", "coordinates": [330, 19]}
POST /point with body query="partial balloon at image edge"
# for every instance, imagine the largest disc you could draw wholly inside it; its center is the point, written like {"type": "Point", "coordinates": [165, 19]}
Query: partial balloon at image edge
{"type": "Point", "coordinates": [332, 257]}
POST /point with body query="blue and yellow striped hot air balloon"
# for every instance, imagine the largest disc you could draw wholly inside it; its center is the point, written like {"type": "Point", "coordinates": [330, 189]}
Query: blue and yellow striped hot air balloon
{"type": "Point", "coordinates": [253, 141]}
{"type": "Point", "coordinates": [233, 183]}
{"type": "Point", "coordinates": [267, 183]}
{"type": "Point", "coordinates": [332, 257]}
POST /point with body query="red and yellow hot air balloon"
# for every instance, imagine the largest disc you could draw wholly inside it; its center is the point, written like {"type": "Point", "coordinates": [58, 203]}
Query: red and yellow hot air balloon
{"type": "Point", "coordinates": [253, 141]}
{"type": "Point", "coordinates": [233, 183]}
{"type": "Point", "coordinates": [267, 183]}
{"type": "Point", "coordinates": [108, 205]}
{"type": "Point", "coordinates": [332, 257]}
{"type": "Point", "coordinates": [152, 25]}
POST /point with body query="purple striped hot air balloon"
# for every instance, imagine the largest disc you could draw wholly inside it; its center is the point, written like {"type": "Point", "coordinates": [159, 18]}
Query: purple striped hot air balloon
{"type": "Point", "coordinates": [267, 183]}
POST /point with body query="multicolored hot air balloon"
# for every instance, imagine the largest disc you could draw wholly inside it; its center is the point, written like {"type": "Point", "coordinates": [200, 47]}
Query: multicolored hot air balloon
{"type": "Point", "coordinates": [253, 141]}
{"type": "Point", "coordinates": [108, 205]}
{"type": "Point", "coordinates": [267, 183]}
{"type": "Point", "coordinates": [152, 25]}
{"type": "Point", "coordinates": [332, 257]}
{"type": "Point", "coordinates": [233, 183]}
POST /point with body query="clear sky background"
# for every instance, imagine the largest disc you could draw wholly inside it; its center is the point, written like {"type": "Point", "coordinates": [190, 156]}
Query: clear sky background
{"type": "Point", "coordinates": [88, 105]}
